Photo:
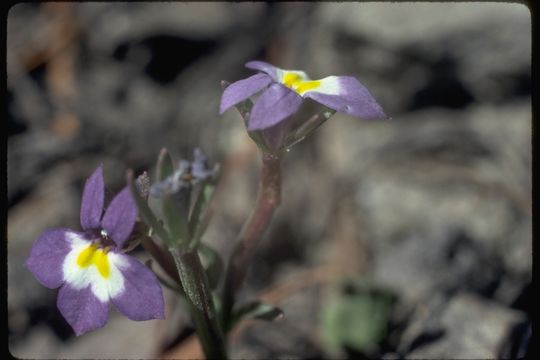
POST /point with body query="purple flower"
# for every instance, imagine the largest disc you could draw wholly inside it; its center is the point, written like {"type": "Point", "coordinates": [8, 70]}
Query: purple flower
{"type": "Point", "coordinates": [90, 268]}
{"type": "Point", "coordinates": [285, 90]}
{"type": "Point", "coordinates": [189, 173]}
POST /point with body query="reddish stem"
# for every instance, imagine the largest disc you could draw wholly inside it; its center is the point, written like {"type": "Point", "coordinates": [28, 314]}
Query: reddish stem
{"type": "Point", "coordinates": [268, 198]}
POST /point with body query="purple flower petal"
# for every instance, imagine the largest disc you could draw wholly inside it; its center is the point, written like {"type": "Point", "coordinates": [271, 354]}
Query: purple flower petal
{"type": "Point", "coordinates": [47, 257]}
{"type": "Point", "coordinates": [275, 104]}
{"type": "Point", "coordinates": [199, 166]}
{"type": "Point", "coordinates": [199, 157]}
{"type": "Point", "coordinates": [243, 89]}
{"type": "Point", "coordinates": [92, 200]}
{"type": "Point", "coordinates": [141, 298]}
{"type": "Point", "coordinates": [82, 309]}
{"type": "Point", "coordinates": [120, 217]}
{"type": "Point", "coordinates": [271, 70]}
{"type": "Point", "coordinates": [345, 94]}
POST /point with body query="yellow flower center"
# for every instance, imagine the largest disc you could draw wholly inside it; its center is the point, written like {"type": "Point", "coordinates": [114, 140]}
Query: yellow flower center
{"type": "Point", "coordinates": [295, 82]}
{"type": "Point", "coordinates": [93, 255]}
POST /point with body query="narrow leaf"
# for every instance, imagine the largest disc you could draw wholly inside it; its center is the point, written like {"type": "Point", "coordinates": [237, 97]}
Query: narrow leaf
{"type": "Point", "coordinates": [257, 310]}
{"type": "Point", "coordinates": [200, 202]}
{"type": "Point", "coordinates": [145, 212]}
{"type": "Point", "coordinates": [194, 281]}
{"type": "Point", "coordinates": [165, 167]}
{"type": "Point", "coordinates": [176, 216]}
{"type": "Point", "coordinates": [215, 266]}
{"type": "Point", "coordinates": [174, 206]}
{"type": "Point", "coordinates": [199, 219]}
{"type": "Point", "coordinates": [204, 218]}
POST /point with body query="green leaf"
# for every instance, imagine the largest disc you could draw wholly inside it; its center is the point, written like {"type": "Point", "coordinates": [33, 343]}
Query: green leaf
{"type": "Point", "coordinates": [175, 206]}
{"type": "Point", "coordinates": [205, 192]}
{"type": "Point", "coordinates": [200, 215]}
{"type": "Point", "coordinates": [194, 280]}
{"type": "Point", "coordinates": [215, 265]}
{"type": "Point", "coordinates": [256, 310]}
{"type": "Point", "coordinates": [145, 212]}
{"type": "Point", "coordinates": [165, 166]}
{"type": "Point", "coordinates": [358, 319]}
{"type": "Point", "coordinates": [176, 218]}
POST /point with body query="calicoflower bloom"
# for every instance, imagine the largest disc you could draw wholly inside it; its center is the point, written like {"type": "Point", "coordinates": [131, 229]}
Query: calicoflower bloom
{"type": "Point", "coordinates": [90, 267]}
{"type": "Point", "coordinates": [284, 91]}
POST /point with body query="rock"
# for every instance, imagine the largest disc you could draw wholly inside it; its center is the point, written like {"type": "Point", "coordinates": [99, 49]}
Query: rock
{"type": "Point", "coordinates": [286, 338]}
{"type": "Point", "coordinates": [474, 328]}
{"type": "Point", "coordinates": [413, 22]}
{"type": "Point", "coordinates": [432, 54]}
{"type": "Point", "coordinates": [118, 23]}
{"type": "Point", "coordinates": [131, 340]}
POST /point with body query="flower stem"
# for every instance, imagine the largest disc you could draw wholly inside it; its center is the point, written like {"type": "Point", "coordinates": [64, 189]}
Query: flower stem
{"type": "Point", "coordinates": [199, 296]}
{"type": "Point", "coordinates": [268, 198]}
{"type": "Point", "coordinates": [162, 257]}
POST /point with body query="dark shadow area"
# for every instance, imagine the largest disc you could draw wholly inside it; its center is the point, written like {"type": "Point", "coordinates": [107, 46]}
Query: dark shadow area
{"type": "Point", "coordinates": [443, 87]}
{"type": "Point", "coordinates": [169, 54]}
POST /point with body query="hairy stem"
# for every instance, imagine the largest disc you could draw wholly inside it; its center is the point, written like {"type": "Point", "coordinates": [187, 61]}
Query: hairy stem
{"type": "Point", "coordinates": [199, 297]}
{"type": "Point", "coordinates": [268, 198]}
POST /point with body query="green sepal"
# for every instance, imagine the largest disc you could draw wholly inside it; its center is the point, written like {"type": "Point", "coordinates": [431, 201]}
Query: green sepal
{"type": "Point", "coordinates": [244, 108]}
{"type": "Point", "coordinates": [307, 128]}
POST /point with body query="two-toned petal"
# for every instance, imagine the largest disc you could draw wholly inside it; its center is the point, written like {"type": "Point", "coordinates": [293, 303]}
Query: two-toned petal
{"type": "Point", "coordinates": [141, 297]}
{"type": "Point", "coordinates": [344, 94]}
{"type": "Point", "coordinates": [47, 256]}
{"type": "Point", "coordinates": [243, 89]}
{"type": "Point", "coordinates": [92, 200]}
{"type": "Point", "coordinates": [282, 76]}
{"type": "Point", "coordinates": [275, 104]}
{"type": "Point", "coordinates": [93, 276]}
{"type": "Point", "coordinates": [120, 217]}
{"type": "Point", "coordinates": [89, 265]}
{"type": "Point", "coordinates": [82, 309]}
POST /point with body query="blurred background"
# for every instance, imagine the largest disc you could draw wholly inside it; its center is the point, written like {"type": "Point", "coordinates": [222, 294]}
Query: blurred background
{"type": "Point", "coordinates": [402, 238]}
